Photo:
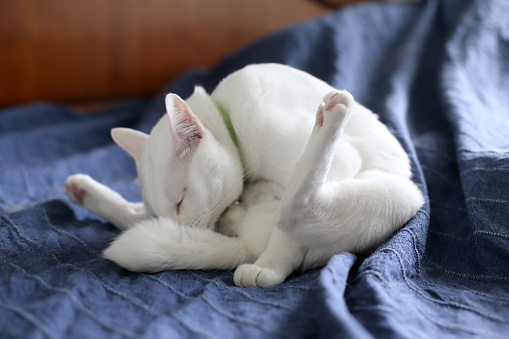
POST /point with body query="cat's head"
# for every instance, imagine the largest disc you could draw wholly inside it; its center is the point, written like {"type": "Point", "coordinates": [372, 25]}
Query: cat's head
{"type": "Point", "coordinates": [184, 171]}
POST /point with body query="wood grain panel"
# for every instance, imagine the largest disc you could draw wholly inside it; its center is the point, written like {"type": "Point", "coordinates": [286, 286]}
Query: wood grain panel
{"type": "Point", "coordinates": [93, 49]}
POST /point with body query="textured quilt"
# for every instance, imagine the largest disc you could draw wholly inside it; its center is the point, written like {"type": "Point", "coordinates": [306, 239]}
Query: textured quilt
{"type": "Point", "coordinates": [436, 72]}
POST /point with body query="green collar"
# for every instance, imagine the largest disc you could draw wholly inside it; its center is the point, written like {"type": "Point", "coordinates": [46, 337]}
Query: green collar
{"type": "Point", "coordinates": [229, 127]}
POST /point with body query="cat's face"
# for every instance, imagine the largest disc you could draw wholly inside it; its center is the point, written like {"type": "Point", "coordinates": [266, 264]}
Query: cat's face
{"type": "Point", "coordinates": [183, 171]}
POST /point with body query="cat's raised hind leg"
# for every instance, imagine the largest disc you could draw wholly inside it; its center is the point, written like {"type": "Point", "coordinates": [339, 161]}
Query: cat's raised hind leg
{"type": "Point", "coordinates": [310, 174]}
{"type": "Point", "coordinates": [357, 207]}
{"type": "Point", "coordinates": [103, 201]}
{"type": "Point", "coordinates": [354, 210]}
{"type": "Point", "coordinates": [284, 254]}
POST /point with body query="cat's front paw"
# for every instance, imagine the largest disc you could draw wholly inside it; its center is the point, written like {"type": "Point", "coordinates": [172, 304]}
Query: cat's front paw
{"type": "Point", "coordinates": [76, 187]}
{"type": "Point", "coordinates": [251, 275]}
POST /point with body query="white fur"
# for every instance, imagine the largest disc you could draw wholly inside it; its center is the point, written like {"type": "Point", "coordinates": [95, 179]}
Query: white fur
{"type": "Point", "coordinates": [313, 184]}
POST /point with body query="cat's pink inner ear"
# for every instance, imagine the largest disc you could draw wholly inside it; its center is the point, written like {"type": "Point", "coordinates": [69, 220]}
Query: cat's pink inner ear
{"type": "Point", "coordinates": [130, 140]}
{"type": "Point", "coordinates": [185, 125]}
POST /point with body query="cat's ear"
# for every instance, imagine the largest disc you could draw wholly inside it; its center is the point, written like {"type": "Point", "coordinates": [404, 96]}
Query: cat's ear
{"type": "Point", "coordinates": [130, 140]}
{"type": "Point", "coordinates": [185, 126]}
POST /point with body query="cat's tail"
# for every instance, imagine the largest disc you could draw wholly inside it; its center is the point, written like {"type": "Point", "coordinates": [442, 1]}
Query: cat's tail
{"type": "Point", "coordinates": [161, 244]}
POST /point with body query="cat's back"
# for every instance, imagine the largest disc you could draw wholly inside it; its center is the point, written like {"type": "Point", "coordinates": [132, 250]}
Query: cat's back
{"type": "Point", "coordinates": [272, 108]}
{"type": "Point", "coordinates": [269, 90]}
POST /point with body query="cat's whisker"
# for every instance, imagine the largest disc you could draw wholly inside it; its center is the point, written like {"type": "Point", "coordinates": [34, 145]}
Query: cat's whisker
{"type": "Point", "coordinates": [218, 201]}
{"type": "Point", "coordinates": [215, 204]}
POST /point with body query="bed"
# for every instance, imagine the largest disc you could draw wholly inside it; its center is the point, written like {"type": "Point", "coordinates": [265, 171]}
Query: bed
{"type": "Point", "coordinates": [436, 72]}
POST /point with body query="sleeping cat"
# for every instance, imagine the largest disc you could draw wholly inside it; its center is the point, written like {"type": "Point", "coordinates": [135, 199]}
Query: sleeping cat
{"type": "Point", "coordinates": [255, 177]}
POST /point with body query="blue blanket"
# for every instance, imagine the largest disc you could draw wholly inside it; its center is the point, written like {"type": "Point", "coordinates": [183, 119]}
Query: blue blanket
{"type": "Point", "coordinates": [437, 73]}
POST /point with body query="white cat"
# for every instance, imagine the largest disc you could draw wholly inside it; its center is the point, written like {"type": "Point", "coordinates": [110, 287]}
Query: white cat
{"type": "Point", "coordinates": [252, 178]}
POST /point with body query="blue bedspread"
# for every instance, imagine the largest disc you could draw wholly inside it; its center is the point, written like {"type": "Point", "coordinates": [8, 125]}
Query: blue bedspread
{"type": "Point", "coordinates": [437, 73]}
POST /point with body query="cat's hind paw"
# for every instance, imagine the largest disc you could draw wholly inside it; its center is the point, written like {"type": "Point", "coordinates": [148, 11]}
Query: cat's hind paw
{"type": "Point", "coordinates": [250, 275]}
{"type": "Point", "coordinates": [336, 97]}
{"type": "Point", "coordinates": [335, 109]}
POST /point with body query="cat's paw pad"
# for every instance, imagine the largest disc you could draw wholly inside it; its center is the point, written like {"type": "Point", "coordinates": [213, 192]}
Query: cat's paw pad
{"type": "Point", "coordinates": [336, 97]}
{"type": "Point", "coordinates": [250, 275]}
{"type": "Point", "coordinates": [319, 115]}
{"type": "Point", "coordinates": [335, 108]}
{"type": "Point", "coordinates": [76, 187]}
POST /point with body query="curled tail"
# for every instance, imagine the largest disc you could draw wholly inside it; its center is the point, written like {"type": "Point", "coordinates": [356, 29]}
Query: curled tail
{"type": "Point", "coordinates": [161, 244]}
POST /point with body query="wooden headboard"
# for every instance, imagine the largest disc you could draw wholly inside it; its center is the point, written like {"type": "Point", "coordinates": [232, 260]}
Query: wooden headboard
{"type": "Point", "coordinates": [99, 49]}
